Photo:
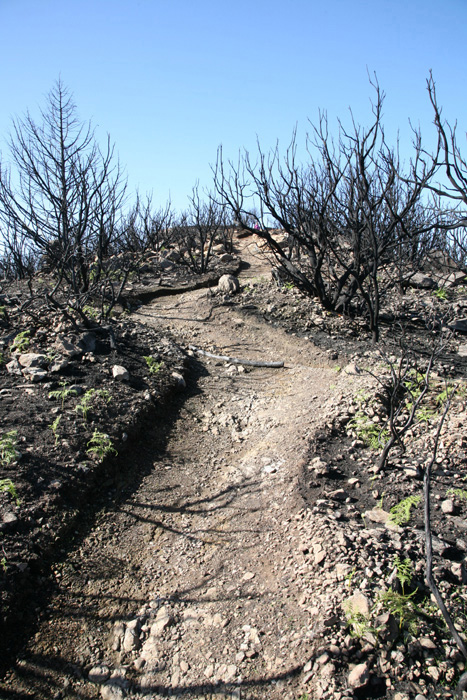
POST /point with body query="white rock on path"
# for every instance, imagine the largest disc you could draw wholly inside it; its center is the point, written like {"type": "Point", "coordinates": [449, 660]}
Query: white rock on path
{"type": "Point", "coordinates": [228, 284]}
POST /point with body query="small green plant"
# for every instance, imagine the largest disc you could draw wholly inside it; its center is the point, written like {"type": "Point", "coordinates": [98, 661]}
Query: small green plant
{"type": "Point", "coordinates": [424, 414]}
{"type": "Point", "coordinates": [443, 396]}
{"type": "Point", "coordinates": [63, 393]}
{"type": "Point", "coordinates": [359, 624]}
{"type": "Point", "coordinates": [89, 397]}
{"type": "Point", "coordinates": [3, 564]}
{"type": "Point", "coordinates": [370, 433]}
{"type": "Point", "coordinates": [460, 493]}
{"type": "Point", "coordinates": [361, 397]}
{"type": "Point", "coordinates": [404, 571]}
{"type": "Point", "coordinates": [21, 342]}
{"type": "Point", "coordinates": [7, 486]}
{"type": "Point", "coordinates": [8, 451]}
{"type": "Point", "coordinates": [400, 513]}
{"type": "Point", "coordinates": [54, 427]}
{"type": "Point", "coordinates": [402, 607]}
{"type": "Point", "coordinates": [91, 312]}
{"type": "Point", "coordinates": [380, 502]}
{"type": "Point", "coordinates": [288, 286]}
{"type": "Point", "coordinates": [153, 365]}
{"type": "Point", "coordinates": [440, 294]}
{"type": "Point", "coordinates": [100, 445]}
{"type": "Point", "coordinates": [414, 383]}
{"type": "Point", "coordinates": [350, 575]}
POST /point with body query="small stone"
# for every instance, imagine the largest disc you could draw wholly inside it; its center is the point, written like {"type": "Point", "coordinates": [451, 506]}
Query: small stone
{"type": "Point", "coordinates": [67, 348]}
{"type": "Point", "coordinates": [209, 671]}
{"type": "Point", "coordinates": [131, 636]}
{"type": "Point", "coordinates": [120, 373]}
{"type": "Point", "coordinates": [112, 692]}
{"type": "Point", "coordinates": [376, 515]}
{"type": "Point", "coordinates": [427, 643]}
{"type": "Point", "coordinates": [448, 507]}
{"type": "Point", "coordinates": [357, 603]}
{"type": "Point", "coordinates": [13, 367]}
{"type": "Point", "coordinates": [319, 557]}
{"type": "Point", "coordinates": [248, 576]}
{"type": "Point", "coordinates": [99, 674]}
{"type": "Point", "coordinates": [230, 673]}
{"type": "Point", "coordinates": [338, 495]}
{"type": "Point", "coordinates": [358, 676]}
{"type": "Point", "coordinates": [433, 671]}
{"type": "Point", "coordinates": [318, 466]}
{"type": "Point", "coordinates": [164, 618]}
{"type": "Point", "coordinates": [323, 659]}
{"type": "Point", "coordinates": [351, 369]}
{"type": "Point", "coordinates": [8, 520]}
{"type": "Point", "coordinates": [180, 380]}
{"type": "Point", "coordinates": [228, 284]}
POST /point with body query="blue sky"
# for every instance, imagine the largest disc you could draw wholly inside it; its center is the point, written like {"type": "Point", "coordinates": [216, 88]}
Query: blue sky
{"type": "Point", "coordinates": [171, 80]}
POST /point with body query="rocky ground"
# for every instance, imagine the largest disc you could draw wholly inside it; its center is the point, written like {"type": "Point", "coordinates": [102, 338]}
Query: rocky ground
{"type": "Point", "coordinates": [241, 543]}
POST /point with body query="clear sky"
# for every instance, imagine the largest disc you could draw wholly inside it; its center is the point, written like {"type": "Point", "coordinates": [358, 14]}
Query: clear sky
{"type": "Point", "coordinates": [171, 80]}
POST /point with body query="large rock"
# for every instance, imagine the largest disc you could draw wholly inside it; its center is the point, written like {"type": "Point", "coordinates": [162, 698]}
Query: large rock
{"type": "Point", "coordinates": [456, 278]}
{"type": "Point", "coordinates": [421, 281]}
{"type": "Point", "coordinates": [459, 325]}
{"type": "Point", "coordinates": [67, 348]}
{"type": "Point", "coordinates": [228, 284]}
{"type": "Point", "coordinates": [87, 342]}
{"type": "Point", "coordinates": [32, 359]}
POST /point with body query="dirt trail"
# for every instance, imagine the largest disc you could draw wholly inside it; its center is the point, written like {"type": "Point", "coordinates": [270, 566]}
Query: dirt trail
{"type": "Point", "coordinates": [187, 582]}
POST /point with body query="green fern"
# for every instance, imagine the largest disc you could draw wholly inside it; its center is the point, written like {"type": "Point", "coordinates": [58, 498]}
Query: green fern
{"type": "Point", "coordinates": [401, 512]}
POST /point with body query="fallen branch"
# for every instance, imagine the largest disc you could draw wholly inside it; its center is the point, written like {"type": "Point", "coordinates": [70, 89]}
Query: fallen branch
{"type": "Point", "coordinates": [234, 360]}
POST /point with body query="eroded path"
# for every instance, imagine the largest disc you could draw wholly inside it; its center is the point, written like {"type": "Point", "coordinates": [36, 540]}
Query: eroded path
{"type": "Point", "coordinates": [188, 583]}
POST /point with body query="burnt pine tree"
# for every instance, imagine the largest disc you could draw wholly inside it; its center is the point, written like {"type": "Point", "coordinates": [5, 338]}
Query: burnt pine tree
{"type": "Point", "coordinates": [61, 192]}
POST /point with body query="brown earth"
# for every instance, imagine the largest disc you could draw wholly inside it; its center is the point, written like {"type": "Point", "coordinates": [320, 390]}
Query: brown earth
{"type": "Point", "coordinates": [213, 554]}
